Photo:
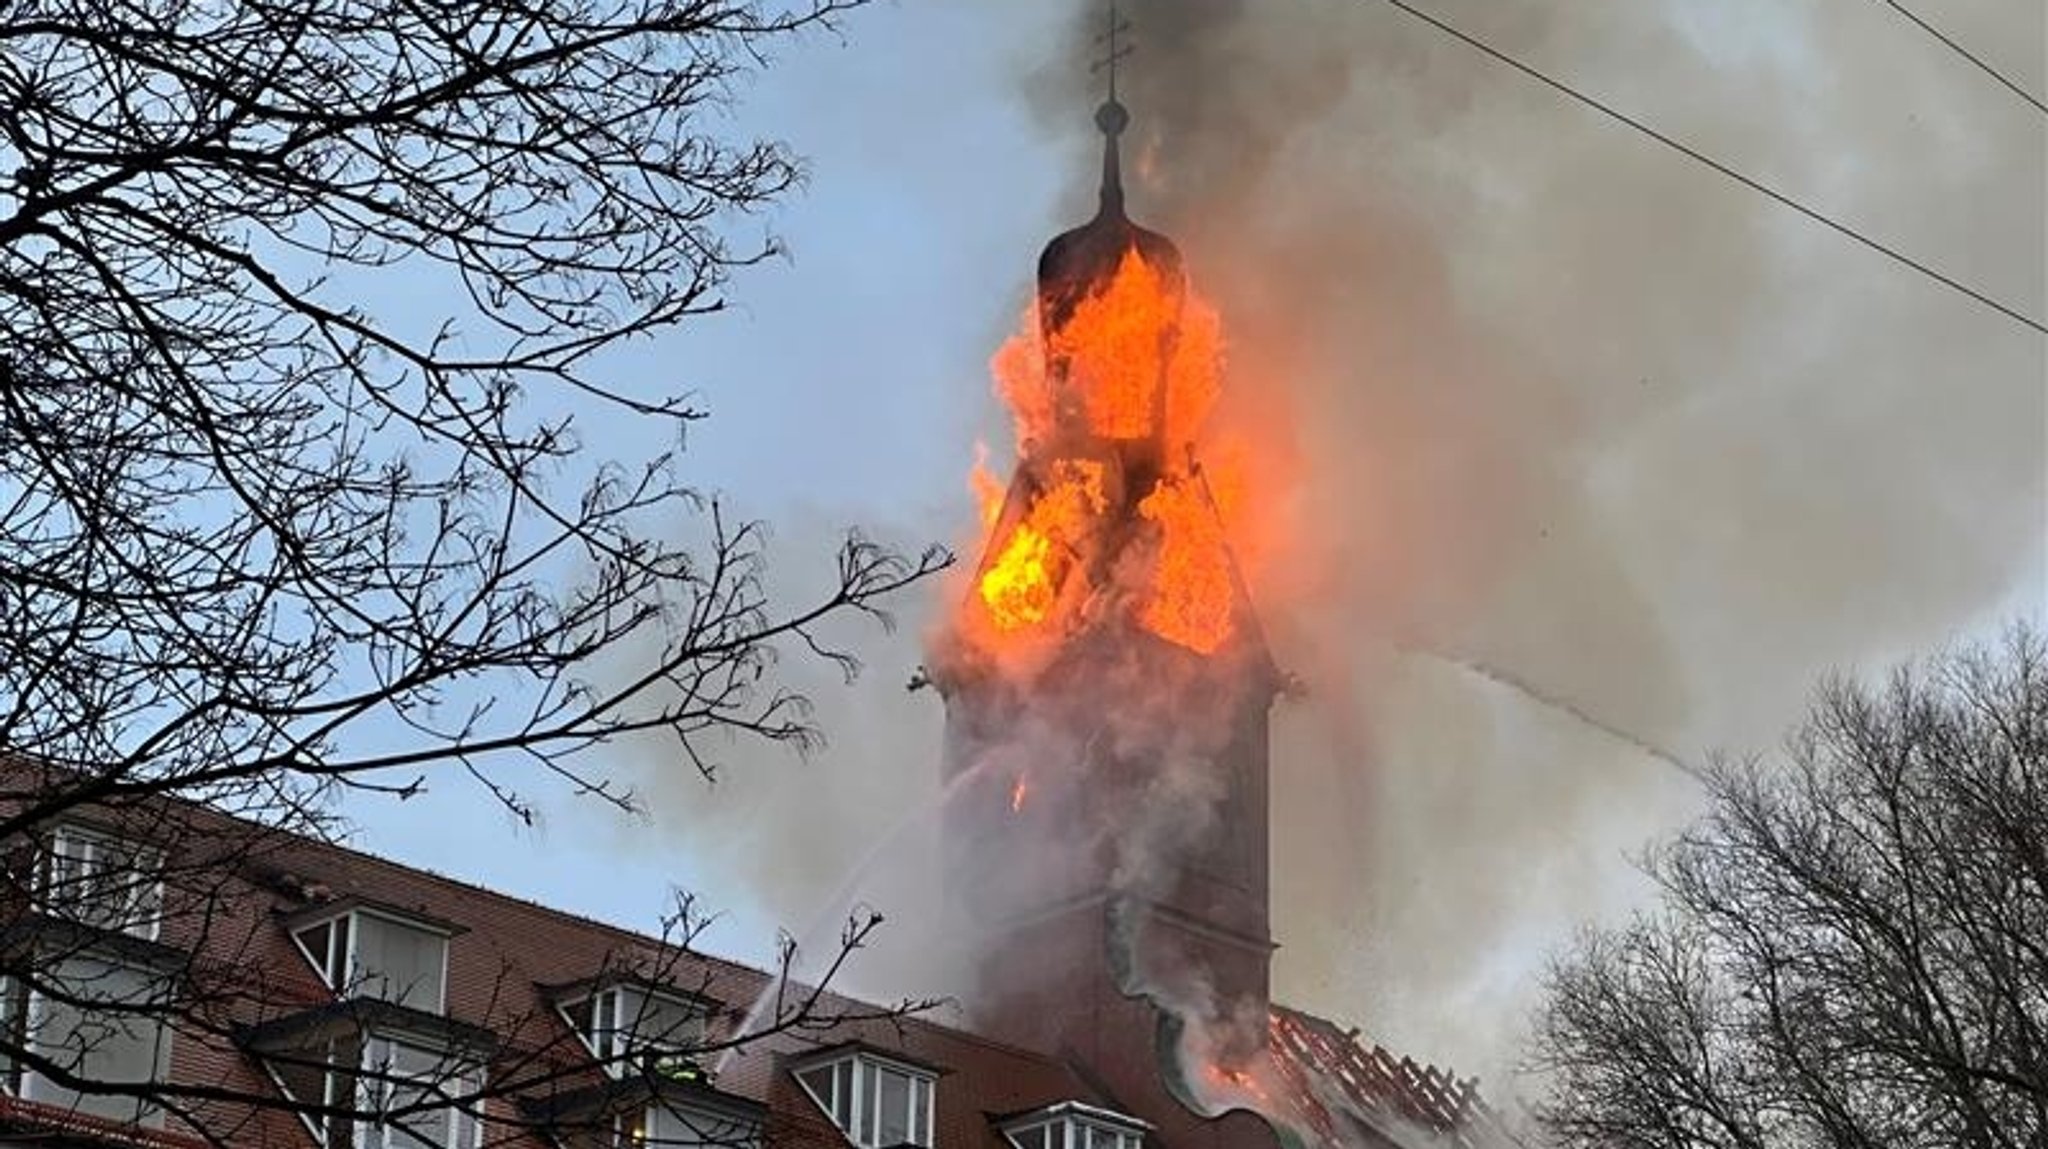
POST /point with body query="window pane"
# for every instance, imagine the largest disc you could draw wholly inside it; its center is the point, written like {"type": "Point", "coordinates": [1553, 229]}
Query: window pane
{"type": "Point", "coordinates": [66, 870]}
{"type": "Point", "coordinates": [604, 1023]}
{"type": "Point", "coordinates": [866, 1116]}
{"type": "Point", "coordinates": [107, 1033]}
{"type": "Point", "coordinates": [102, 882]}
{"type": "Point", "coordinates": [894, 1124]}
{"type": "Point", "coordinates": [13, 1020]}
{"type": "Point", "coordinates": [657, 1022]}
{"type": "Point", "coordinates": [578, 1014]}
{"type": "Point", "coordinates": [679, 1125]}
{"type": "Point", "coordinates": [337, 957]}
{"type": "Point", "coordinates": [421, 1128]}
{"type": "Point", "coordinates": [842, 1097]}
{"type": "Point", "coordinates": [820, 1081]}
{"type": "Point", "coordinates": [921, 1112]}
{"type": "Point", "coordinates": [316, 939]}
{"type": "Point", "coordinates": [418, 1090]}
{"type": "Point", "coordinates": [130, 878]}
{"type": "Point", "coordinates": [399, 963]}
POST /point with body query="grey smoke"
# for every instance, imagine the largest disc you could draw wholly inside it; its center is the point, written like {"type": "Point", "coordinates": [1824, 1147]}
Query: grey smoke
{"type": "Point", "coordinates": [1563, 405]}
{"type": "Point", "coordinates": [1569, 407]}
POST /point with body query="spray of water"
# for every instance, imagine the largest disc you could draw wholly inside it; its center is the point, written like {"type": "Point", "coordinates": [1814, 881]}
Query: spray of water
{"type": "Point", "coordinates": [1521, 686]}
{"type": "Point", "coordinates": [833, 911]}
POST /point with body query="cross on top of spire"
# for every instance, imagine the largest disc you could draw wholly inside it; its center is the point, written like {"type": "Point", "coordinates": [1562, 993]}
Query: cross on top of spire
{"type": "Point", "coordinates": [1112, 117]}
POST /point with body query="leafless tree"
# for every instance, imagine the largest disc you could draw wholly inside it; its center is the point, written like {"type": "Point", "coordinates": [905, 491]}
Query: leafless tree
{"type": "Point", "coordinates": [265, 530]}
{"type": "Point", "coordinates": [1852, 948]}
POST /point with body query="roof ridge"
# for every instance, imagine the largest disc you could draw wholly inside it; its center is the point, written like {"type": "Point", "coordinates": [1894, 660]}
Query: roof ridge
{"type": "Point", "coordinates": [959, 1032]}
{"type": "Point", "coordinates": [569, 917]}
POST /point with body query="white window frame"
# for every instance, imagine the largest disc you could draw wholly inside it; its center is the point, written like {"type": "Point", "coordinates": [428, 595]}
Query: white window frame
{"type": "Point", "coordinates": [140, 915]}
{"type": "Point", "coordinates": [352, 975]}
{"type": "Point", "coordinates": [456, 1120]}
{"type": "Point", "coordinates": [1068, 1124]}
{"type": "Point", "coordinates": [857, 1117]}
{"type": "Point", "coordinates": [19, 1080]}
{"type": "Point", "coordinates": [316, 1124]}
{"type": "Point", "coordinates": [632, 1131]}
{"type": "Point", "coordinates": [613, 1044]}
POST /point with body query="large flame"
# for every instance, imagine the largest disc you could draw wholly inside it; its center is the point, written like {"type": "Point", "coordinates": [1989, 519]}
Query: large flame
{"type": "Point", "coordinates": [1111, 512]}
{"type": "Point", "coordinates": [1114, 360]}
{"type": "Point", "coordinates": [1191, 589]}
{"type": "Point", "coordinates": [1020, 586]}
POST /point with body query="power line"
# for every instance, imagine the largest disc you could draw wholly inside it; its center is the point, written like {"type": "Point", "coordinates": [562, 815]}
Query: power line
{"type": "Point", "coordinates": [1684, 149]}
{"type": "Point", "coordinates": [1966, 54]}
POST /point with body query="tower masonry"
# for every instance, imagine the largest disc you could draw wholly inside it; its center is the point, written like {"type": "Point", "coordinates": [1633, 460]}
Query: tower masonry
{"type": "Point", "coordinates": [1107, 686]}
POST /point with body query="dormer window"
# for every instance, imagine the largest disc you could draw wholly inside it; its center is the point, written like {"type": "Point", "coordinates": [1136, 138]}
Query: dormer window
{"type": "Point", "coordinates": [366, 953]}
{"type": "Point", "coordinates": [877, 1102]}
{"type": "Point", "coordinates": [98, 880]}
{"type": "Point", "coordinates": [634, 1028]}
{"type": "Point", "coordinates": [366, 1088]}
{"type": "Point", "coordinates": [416, 1086]}
{"type": "Point", "coordinates": [102, 1022]}
{"type": "Point", "coordinates": [1072, 1125]}
{"type": "Point", "coordinates": [678, 1125]}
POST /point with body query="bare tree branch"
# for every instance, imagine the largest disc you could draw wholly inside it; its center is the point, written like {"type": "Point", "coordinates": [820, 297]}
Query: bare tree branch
{"type": "Point", "coordinates": [1851, 951]}
{"type": "Point", "coordinates": [268, 534]}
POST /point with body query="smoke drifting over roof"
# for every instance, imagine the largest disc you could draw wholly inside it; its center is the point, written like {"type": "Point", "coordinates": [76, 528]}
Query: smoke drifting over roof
{"type": "Point", "coordinates": [1563, 404]}
{"type": "Point", "coordinates": [1551, 401]}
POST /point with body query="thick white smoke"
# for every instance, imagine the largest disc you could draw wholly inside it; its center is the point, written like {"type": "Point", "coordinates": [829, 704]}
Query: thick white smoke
{"type": "Point", "coordinates": [1570, 409]}
{"type": "Point", "coordinates": [1560, 405]}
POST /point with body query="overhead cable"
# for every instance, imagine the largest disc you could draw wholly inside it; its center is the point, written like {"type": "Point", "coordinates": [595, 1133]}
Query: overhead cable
{"type": "Point", "coordinates": [1695, 154]}
{"type": "Point", "coordinates": [1972, 57]}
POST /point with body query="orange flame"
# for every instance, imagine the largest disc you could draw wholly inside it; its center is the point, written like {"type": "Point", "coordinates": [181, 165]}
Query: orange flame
{"type": "Point", "coordinates": [1019, 791]}
{"type": "Point", "coordinates": [1114, 361]}
{"type": "Point", "coordinates": [1238, 1080]}
{"type": "Point", "coordinates": [988, 490]}
{"type": "Point", "coordinates": [1020, 587]}
{"type": "Point", "coordinates": [1191, 585]}
{"type": "Point", "coordinates": [1115, 395]}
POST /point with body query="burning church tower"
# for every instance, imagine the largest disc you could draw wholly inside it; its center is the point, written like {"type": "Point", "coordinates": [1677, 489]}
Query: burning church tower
{"type": "Point", "coordinates": [1107, 691]}
{"type": "Point", "coordinates": [1107, 686]}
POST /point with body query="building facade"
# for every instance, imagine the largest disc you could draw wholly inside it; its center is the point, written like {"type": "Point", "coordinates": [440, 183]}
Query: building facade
{"type": "Point", "coordinates": [175, 978]}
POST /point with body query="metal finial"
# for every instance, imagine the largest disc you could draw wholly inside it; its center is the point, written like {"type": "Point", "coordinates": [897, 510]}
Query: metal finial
{"type": "Point", "coordinates": [1115, 49]}
{"type": "Point", "coordinates": [1112, 117]}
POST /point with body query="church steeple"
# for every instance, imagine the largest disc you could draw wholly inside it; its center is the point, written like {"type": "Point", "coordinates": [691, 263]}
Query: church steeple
{"type": "Point", "coordinates": [1079, 262]}
{"type": "Point", "coordinates": [1107, 688]}
{"type": "Point", "coordinates": [1112, 117]}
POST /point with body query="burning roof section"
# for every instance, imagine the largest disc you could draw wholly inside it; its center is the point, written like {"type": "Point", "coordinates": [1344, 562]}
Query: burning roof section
{"type": "Point", "coordinates": [1334, 1074]}
{"type": "Point", "coordinates": [1110, 520]}
{"type": "Point", "coordinates": [1325, 1087]}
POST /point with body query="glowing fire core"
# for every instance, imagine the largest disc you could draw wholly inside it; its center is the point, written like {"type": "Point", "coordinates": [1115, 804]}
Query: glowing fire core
{"type": "Point", "coordinates": [1108, 406]}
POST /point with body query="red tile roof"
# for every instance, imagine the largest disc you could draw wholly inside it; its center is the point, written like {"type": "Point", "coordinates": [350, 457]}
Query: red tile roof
{"type": "Point", "coordinates": [502, 965]}
{"type": "Point", "coordinates": [55, 1125]}
{"type": "Point", "coordinates": [1334, 1091]}
{"type": "Point", "coordinates": [512, 950]}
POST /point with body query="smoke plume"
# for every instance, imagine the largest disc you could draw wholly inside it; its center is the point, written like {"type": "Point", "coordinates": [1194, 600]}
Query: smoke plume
{"type": "Point", "coordinates": [1596, 457]}
{"type": "Point", "coordinates": [1588, 459]}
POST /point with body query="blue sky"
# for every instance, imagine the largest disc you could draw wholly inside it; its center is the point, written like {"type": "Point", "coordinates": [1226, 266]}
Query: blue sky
{"type": "Point", "coordinates": [847, 378]}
